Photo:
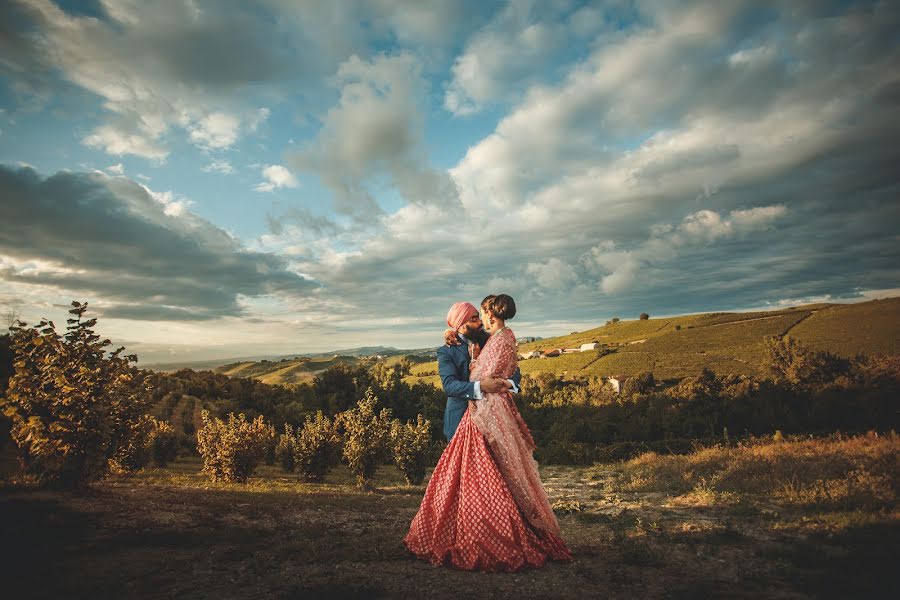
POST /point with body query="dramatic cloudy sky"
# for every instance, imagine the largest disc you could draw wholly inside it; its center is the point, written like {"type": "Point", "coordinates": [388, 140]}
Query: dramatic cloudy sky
{"type": "Point", "coordinates": [222, 178]}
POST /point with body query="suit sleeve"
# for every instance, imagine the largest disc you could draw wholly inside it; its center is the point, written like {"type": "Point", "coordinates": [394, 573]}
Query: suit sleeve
{"type": "Point", "coordinates": [454, 387]}
{"type": "Point", "coordinates": [517, 380]}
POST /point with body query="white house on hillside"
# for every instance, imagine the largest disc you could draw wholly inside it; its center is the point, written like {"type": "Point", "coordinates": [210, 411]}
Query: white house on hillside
{"type": "Point", "coordinates": [617, 381]}
{"type": "Point", "coordinates": [591, 346]}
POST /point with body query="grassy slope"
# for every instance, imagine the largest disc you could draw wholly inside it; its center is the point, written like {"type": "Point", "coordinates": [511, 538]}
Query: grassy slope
{"type": "Point", "coordinates": [723, 342]}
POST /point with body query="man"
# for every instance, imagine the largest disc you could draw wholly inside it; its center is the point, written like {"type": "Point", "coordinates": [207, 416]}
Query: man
{"type": "Point", "coordinates": [453, 366]}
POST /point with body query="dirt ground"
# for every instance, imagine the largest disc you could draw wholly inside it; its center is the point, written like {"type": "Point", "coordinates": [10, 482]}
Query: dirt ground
{"type": "Point", "coordinates": [170, 534]}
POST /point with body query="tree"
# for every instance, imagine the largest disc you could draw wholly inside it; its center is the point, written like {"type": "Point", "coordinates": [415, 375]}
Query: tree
{"type": "Point", "coordinates": [411, 446]}
{"type": "Point", "coordinates": [70, 404]}
{"type": "Point", "coordinates": [366, 437]}
{"type": "Point", "coordinates": [11, 314]}
{"type": "Point", "coordinates": [644, 316]}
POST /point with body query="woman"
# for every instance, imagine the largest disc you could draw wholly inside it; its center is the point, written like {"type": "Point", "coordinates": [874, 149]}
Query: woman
{"type": "Point", "coordinates": [484, 507]}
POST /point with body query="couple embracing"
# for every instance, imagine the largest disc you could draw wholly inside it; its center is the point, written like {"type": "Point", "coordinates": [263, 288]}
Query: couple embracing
{"type": "Point", "coordinates": [484, 508]}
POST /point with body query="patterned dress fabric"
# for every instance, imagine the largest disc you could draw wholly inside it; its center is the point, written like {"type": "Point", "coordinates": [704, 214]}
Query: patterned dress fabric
{"type": "Point", "coordinates": [485, 508]}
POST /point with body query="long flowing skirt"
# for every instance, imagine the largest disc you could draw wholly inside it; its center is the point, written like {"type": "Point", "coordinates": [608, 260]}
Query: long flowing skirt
{"type": "Point", "coordinates": [468, 518]}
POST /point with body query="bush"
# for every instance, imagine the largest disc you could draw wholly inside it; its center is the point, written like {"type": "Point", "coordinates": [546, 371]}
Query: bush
{"type": "Point", "coordinates": [644, 316]}
{"type": "Point", "coordinates": [163, 443]}
{"type": "Point", "coordinates": [366, 436]}
{"type": "Point", "coordinates": [231, 451]}
{"type": "Point", "coordinates": [70, 404]}
{"type": "Point", "coordinates": [270, 435]}
{"type": "Point", "coordinates": [284, 450]}
{"type": "Point", "coordinates": [316, 447]}
{"type": "Point", "coordinates": [133, 454]}
{"type": "Point", "coordinates": [411, 446]}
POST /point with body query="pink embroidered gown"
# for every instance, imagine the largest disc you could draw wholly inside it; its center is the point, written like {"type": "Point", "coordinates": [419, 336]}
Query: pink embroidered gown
{"type": "Point", "coordinates": [484, 507]}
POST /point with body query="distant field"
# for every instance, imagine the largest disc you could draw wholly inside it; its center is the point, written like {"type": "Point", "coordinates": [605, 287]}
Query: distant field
{"type": "Point", "coordinates": [671, 348]}
{"type": "Point", "coordinates": [845, 329]}
{"type": "Point", "coordinates": [727, 343]}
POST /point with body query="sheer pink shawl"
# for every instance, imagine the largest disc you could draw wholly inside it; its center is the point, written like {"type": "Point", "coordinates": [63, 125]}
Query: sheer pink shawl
{"type": "Point", "coordinates": [507, 435]}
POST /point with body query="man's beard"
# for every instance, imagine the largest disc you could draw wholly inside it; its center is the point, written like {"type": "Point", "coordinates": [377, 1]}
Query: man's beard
{"type": "Point", "coordinates": [479, 335]}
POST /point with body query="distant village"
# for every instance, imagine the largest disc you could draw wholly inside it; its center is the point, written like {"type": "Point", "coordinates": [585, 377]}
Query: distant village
{"type": "Point", "coordinates": [616, 381]}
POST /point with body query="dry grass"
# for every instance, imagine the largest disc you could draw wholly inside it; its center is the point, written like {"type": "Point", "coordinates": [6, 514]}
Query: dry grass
{"type": "Point", "coordinates": [859, 472]}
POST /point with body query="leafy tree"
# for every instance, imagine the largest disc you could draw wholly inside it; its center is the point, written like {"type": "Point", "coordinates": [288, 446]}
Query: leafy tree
{"type": "Point", "coordinates": [231, 450]}
{"type": "Point", "coordinates": [411, 446]}
{"type": "Point", "coordinates": [644, 316]}
{"type": "Point", "coordinates": [317, 447]}
{"type": "Point", "coordinates": [791, 362]}
{"type": "Point", "coordinates": [366, 436]}
{"type": "Point", "coordinates": [284, 451]}
{"type": "Point", "coordinates": [71, 405]}
{"type": "Point", "coordinates": [163, 443]}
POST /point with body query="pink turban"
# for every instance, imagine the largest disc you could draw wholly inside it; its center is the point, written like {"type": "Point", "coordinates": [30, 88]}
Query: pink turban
{"type": "Point", "coordinates": [460, 313]}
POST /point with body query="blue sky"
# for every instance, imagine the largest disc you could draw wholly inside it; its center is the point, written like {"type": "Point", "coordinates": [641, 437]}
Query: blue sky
{"type": "Point", "coordinates": [226, 178]}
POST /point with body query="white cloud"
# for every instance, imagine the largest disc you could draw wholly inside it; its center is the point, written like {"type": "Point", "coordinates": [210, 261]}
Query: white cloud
{"type": "Point", "coordinates": [116, 169]}
{"type": "Point", "coordinates": [375, 132]}
{"type": "Point", "coordinates": [215, 130]}
{"type": "Point", "coordinates": [118, 141]}
{"type": "Point", "coordinates": [513, 48]}
{"type": "Point", "coordinates": [552, 274]}
{"type": "Point", "coordinates": [219, 166]}
{"type": "Point", "coordinates": [276, 177]}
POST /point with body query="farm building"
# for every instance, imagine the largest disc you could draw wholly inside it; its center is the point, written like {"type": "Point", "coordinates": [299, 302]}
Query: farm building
{"type": "Point", "coordinates": [550, 352]}
{"type": "Point", "coordinates": [617, 381]}
{"type": "Point", "coordinates": [591, 346]}
{"type": "Point", "coordinates": [532, 354]}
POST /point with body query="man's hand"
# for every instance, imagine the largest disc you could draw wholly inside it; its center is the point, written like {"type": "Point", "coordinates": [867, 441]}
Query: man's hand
{"type": "Point", "coordinates": [494, 385]}
{"type": "Point", "coordinates": [450, 338]}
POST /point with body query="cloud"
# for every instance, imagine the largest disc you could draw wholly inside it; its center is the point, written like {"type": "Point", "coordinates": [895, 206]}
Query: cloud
{"type": "Point", "coordinates": [277, 177]}
{"type": "Point", "coordinates": [514, 48]}
{"type": "Point", "coordinates": [116, 169]}
{"type": "Point", "coordinates": [141, 253]}
{"type": "Point", "coordinates": [621, 269]}
{"type": "Point", "coordinates": [375, 131]}
{"type": "Point", "coordinates": [219, 166]}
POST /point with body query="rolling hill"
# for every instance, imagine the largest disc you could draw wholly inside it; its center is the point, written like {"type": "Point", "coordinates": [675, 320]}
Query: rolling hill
{"type": "Point", "coordinates": [726, 343]}
{"type": "Point", "coordinates": [671, 347]}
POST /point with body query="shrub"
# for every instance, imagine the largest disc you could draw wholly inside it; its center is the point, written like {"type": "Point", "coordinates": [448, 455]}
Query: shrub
{"type": "Point", "coordinates": [316, 447]}
{"type": "Point", "coordinates": [231, 451]}
{"type": "Point", "coordinates": [70, 404]}
{"type": "Point", "coordinates": [366, 436]}
{"type": "Point", "coordinates": [644, 316]}
{"type": "Point", "coordinates": [284, 450]}
{"type": "Point", "coordinates": [270, 436]}
{"type": "Point", "coordinates": [163, 443]}
{"type": "Point", "coordinates": [411, 446]}
{"type": "Point", "coordinates": [133, 453]}
{"type": "Point", "coordinates": [641, 383]}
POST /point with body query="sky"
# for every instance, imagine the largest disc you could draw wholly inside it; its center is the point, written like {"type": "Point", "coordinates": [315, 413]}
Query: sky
{"type": "Point", "coordinates": [236, 178]}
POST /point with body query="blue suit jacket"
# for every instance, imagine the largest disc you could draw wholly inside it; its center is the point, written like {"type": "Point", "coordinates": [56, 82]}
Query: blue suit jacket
{"type": "Point", "coordinates": [453, 368]}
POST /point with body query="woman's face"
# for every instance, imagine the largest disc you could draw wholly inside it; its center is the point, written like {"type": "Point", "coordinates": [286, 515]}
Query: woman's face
{"type": "Point", "coordinates": [486, 319]}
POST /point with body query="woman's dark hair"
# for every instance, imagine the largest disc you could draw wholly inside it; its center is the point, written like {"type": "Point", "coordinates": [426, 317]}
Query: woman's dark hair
{"type": "Point", "coordinates": [503, 306]}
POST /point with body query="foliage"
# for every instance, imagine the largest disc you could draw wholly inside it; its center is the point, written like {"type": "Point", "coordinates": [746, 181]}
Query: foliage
{"type": "Point", "coordinates": [270, 438]}
{"type": "Point", "coordinates": [133, 453]}
{"type": "Point", "coordinates": [411, 446]}
{"type": "Point", "coordinates": [644, 316]}
{"type": "Point", "coordinates": [71, 405]}
{"type": "Point", "coordinates": [317, 447]}
{"type": "Point", "coordinates": [163, 443]}
{"type": "Point", "coordinates": [366, 437]}
{"type": "Point", "coordinates": [641, 383]}
{"type": "Point", "coordinates": [231, 450]}
{"type": "Point", "coordinates": [284, 450]}
{"type": "Point", "coordinates": [788, 361]}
